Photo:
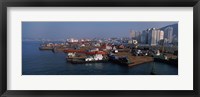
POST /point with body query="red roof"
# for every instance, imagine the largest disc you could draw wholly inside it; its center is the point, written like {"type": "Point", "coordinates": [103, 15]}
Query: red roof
{"type": "Point", "coordinates": [73, 51]}
{"type": "Point", "coordinates": [96, 52]}
{"type": "Point", "coordinates": [82, 51]}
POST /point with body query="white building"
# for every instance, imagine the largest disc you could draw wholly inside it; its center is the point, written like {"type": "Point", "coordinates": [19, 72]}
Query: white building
{"type": "Point", "coordinates": [96, 57]}
{"type": "Point", "coordinates": [72, 40]}
{"type": "Point", "coordinates": [133, 34]}
{"type": "Point", "coordinates": [132, 41]}
{"type": "Point", "coordinates": [94, 49]}
{"type": "Point", "coordinates": [154, 36]}
{"type": "Point", "coordinates": [71, 54]}
{"type": "Point", "coordinates": [161, 35]}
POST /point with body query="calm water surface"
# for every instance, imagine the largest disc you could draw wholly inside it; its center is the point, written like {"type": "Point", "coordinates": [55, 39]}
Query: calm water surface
{"type": "Point", "coordinates": [36, 62]}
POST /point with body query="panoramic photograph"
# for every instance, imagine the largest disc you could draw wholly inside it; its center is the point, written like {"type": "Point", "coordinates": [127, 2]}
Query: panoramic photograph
{"type": "Point", "coordinates": [100, 48]}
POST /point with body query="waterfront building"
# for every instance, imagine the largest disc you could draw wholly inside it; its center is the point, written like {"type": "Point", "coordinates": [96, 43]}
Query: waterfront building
{"type": "Point", "coordinates": [169, 34]}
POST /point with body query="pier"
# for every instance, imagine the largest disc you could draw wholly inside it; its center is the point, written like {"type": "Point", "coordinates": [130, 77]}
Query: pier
{"type": "Point", "coordinates": [135, 60]}
{"type": "Point", "coordinates": [140, 60]}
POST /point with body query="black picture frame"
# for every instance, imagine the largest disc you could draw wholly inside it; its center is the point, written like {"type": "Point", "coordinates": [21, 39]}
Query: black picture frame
{"type": "Point", "coordinates": [98, 3]}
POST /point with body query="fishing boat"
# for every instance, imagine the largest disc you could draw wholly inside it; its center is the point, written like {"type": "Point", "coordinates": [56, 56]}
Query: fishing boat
{"type": "Point", "coordinates": [48, 46]}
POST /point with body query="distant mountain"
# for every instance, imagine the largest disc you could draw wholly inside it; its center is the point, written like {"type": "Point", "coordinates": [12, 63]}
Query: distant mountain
{"type": "Point", "coordinates": [175, 29]}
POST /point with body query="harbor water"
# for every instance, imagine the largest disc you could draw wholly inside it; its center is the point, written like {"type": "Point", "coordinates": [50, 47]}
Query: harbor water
{"type": "Point", "coordinates": [37, 62]}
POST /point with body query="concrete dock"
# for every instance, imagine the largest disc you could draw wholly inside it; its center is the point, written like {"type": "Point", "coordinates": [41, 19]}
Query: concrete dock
{"type": "Point", "coordinates": [136, 60]}
{"type": "Point", "coordinates": [140, 60]}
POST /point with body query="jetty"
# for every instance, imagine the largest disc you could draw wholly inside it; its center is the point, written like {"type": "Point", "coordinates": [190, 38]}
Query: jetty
{"type": "Point", "coordinates": [140, 60]}
{"type": "Point", "coordinates": [135, 60]}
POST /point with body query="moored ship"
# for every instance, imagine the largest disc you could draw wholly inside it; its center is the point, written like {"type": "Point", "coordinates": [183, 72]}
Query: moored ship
{"type": "Point", "coordinates": [48, 46]}
{"type": "Point", "coordinates": [45, 48]}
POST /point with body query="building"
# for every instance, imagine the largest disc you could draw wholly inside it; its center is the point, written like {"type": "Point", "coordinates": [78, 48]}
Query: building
{"type": "Point", "coordinates": [132, 41]}
{"type": "Point", "coordinates": [169, 34]}
{"type": "Point", "coordinates": [106, 47]}
{"type": "Point", "coordinates": [133, 34]}
{"type": "Point", "coordinates": [154, 36]}
{"type": "Point", "coordinates": [72, 40]}
{"type": "Point", "coordinates": [161, 35]}
{"type": "Point", "coordinates": [136, 35]}
{"type": "Point", "coordinates": [144, 36]}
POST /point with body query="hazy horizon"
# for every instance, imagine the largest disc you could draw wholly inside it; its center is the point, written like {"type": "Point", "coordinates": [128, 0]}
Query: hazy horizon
{"type": "Point", "coordinates": [64, 30]}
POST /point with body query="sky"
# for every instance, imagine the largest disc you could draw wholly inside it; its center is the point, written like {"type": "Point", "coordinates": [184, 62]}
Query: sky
{"type": "Point", "coordinates": [64, 30]}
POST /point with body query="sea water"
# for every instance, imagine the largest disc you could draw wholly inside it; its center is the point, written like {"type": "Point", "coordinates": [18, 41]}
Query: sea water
{"type": "Point", "coordinates": [46, 62]}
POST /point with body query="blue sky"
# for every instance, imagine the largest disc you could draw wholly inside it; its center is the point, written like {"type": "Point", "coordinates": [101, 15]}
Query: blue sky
{"type": "Point", "coordinates": [64, 30]}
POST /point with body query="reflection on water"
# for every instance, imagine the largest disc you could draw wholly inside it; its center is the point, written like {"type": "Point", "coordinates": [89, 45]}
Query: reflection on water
{"type": "Point", "coordinates": [36, 62]}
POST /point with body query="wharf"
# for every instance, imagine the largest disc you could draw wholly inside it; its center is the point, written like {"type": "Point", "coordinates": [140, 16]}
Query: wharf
{"type": "Point", "coordinates": [135, 60]}
{"type": "Point", "coordinates": [59, 49]}
{"type": "Point", "coordinates": [140, 60]}
{"type": "Point", "coordinates": [70, 59]}
{"type": "Point", "coordinates": [81, 61]}
{"type": "Point", "coordinates": [45, 48]}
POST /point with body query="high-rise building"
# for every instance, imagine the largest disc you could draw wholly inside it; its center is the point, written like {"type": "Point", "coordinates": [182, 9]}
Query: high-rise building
{"type": "Point", "coordinates": [133, 34]}
{"type": "Point", "coordinates": [150, 36]}
{"type": "Point", "coordinates": [144, 36]}
{"type": "Point", "coordinates": [136, 35]}
{"type": "Point", "coordinates": [161, 35]}
{"type": "Point", "coordinates": [154, 36]}
{"type": "Point", "coordinates": [169, 34]}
